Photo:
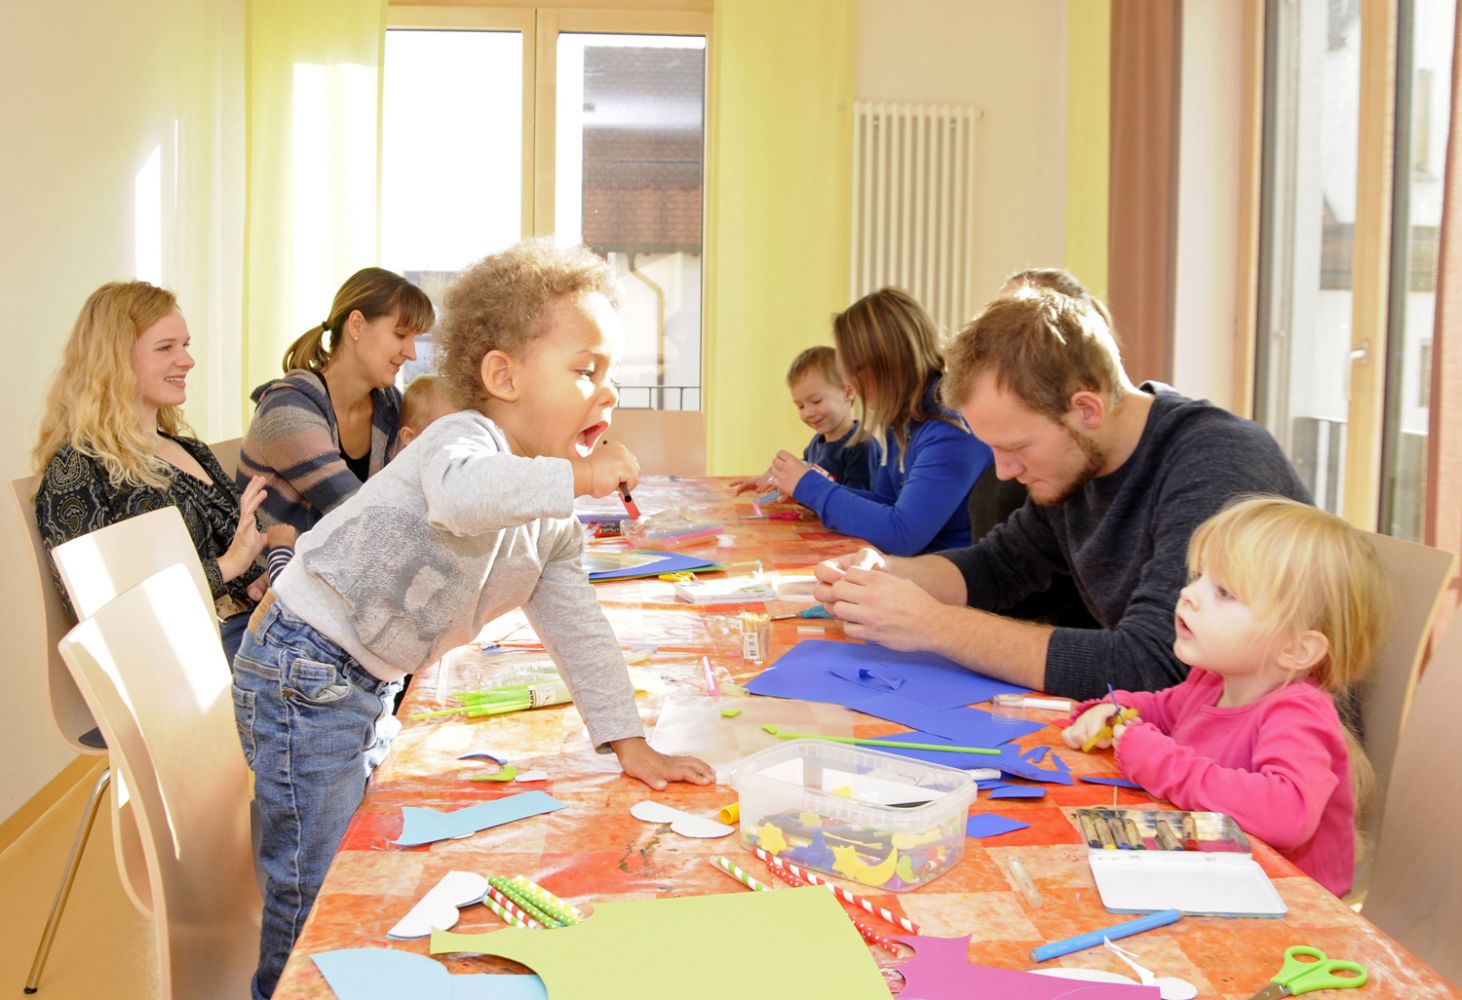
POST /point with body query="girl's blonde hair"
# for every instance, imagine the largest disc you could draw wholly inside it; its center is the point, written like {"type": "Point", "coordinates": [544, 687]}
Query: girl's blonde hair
{"type": "Point", "coordinates": [890, 347]}
{"type": "Point", "coordinates": [499, 304]}
{"type": "Point", "coordinates": [374, 292]}
{"type": "Point", "coordinates": [1299, 568]}
{"type": "Point", "coordinates": [92, 402]}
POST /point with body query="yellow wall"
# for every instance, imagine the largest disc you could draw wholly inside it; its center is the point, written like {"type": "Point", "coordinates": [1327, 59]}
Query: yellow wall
{"type": "Point", "coordinates": [1088, 122]}
{"type": "Point", "coordinates": [120, 119]}
{"type": "Point", "coordinates": [779, 214]}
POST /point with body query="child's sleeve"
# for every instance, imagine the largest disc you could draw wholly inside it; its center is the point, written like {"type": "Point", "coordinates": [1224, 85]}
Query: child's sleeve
{"type": "Point", "coordinates": [472, 485]}
{"type": "Point", "coordinates": [1280, 798]}
{"type": "Point", "coordinates": [936, 484]}
{"type": "Point", "coordinates": [566, 615]}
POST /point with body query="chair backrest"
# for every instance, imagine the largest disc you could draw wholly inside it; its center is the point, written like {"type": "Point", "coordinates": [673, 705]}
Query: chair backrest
{"type": "Point", "coordinates": [153, 673]}
{"type": "Point", "coordinates": [1414, 893]}
{"type": "Point", "coordinates": [666, 442]}
{"type": "Point", "coordinates": [99, 565]}
{"type": "Point", "coordinates": [1419, 576]}
{"type": "Point", "coordinates": [227, 453]}
{"type": "Point", "coordinates": [68, 709]}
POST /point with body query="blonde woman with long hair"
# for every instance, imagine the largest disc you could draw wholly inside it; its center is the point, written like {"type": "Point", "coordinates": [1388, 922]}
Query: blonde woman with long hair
{"type": "Point", "coordinates": [113, 444]}
{"type": "Point", "coordinates": [924, 458]}
{"type": "Point", "coordinates": [332, 421]}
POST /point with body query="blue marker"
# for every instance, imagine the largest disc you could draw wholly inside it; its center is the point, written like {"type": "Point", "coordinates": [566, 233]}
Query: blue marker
{"type": "Point", "coordinates": [1090, 940]}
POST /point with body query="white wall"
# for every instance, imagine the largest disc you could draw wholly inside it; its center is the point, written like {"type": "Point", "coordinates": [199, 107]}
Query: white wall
{"type": "Point", "coordinates": [1205, 301]}
{"type": "Point", "coordinates": [121, 120]}
{"type": "Point", "coordinates": [1009, 59]}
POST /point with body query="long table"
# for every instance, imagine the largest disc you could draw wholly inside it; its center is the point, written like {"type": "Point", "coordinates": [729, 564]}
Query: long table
{"type": "Point", "coordinates": [594, 851]}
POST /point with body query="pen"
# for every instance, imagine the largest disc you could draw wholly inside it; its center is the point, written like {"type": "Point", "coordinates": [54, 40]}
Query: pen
{"type": "Point", "coordinates": [711, 688]}
{"type": "Point", "coordinates": [629, 502]}
{"type": "Point", "coordinates": [1125, 929]}
{"type": "Point", "coordinates": [1166, 838]}
{"type": "Point", "coordinates": [1022, 701]}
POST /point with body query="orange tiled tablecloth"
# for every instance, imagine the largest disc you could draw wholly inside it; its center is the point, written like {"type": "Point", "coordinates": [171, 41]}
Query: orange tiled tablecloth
{"type": "Point", "coordinates": [594, 850]}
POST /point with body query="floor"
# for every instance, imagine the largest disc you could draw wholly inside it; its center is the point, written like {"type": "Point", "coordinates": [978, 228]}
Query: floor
{"type": "Point", "coordinates": [104, 947]}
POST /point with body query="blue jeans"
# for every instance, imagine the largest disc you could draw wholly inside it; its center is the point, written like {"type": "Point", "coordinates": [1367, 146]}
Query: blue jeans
{"type": "Point", "coordinates": [314, 724]}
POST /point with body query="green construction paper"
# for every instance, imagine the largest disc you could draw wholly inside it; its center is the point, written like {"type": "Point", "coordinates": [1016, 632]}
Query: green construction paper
{"type": "Point", "coordinates": [784, 943]}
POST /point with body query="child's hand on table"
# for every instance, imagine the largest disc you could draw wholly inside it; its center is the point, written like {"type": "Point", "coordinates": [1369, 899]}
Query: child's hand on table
{"type": "Point", "coordinates": [1087, 725]}
{"type": "Point", "coordinates": [642, 761]}
{"type": "Point", "coordinates": [747, 484]}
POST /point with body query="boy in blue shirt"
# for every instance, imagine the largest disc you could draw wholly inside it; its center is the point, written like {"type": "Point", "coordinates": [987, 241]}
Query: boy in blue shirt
{"type": "Point", "coordinates": [824, 401]}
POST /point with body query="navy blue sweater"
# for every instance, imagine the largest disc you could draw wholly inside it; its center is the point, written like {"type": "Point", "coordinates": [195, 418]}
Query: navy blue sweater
{"type": "Point", "coordinates": [914, 509]}
{"type": "Point", "coordinates": [846, 463]}
{"type": "Point", "coordinates": [1124, 538]}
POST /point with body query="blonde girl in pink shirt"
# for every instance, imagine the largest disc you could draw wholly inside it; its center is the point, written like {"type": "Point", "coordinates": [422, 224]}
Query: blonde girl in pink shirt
{"type": "Point", "coordinates": [1281, 616]}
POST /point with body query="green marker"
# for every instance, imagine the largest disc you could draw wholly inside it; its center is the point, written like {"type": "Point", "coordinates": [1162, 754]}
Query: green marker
{"type": "Point", "coordinates": [774, 731]}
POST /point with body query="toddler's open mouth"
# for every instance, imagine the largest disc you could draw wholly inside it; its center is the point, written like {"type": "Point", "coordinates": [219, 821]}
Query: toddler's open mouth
{"type": "Point", "coordinates": [589, 437]}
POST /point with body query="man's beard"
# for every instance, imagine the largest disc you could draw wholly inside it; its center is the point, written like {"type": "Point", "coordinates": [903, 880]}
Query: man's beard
{"type": "Point", "coordinates": [1095, 459]}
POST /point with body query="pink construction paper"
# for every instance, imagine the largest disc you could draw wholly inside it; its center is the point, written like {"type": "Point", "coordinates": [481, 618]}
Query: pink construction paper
{"type": "Point", "coordinates": [941, 970]}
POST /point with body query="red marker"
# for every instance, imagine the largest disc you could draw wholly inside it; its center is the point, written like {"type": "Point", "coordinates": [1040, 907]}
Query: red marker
{"type": "Point", "coordinates": [629, 502]}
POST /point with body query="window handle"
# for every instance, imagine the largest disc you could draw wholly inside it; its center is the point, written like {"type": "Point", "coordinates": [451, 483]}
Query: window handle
{"type": "Point", "coordinates": [1355, 356]}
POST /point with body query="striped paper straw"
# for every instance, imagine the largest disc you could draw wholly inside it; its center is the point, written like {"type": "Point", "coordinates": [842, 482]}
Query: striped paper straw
{"type": "Point", "coordinates": [840, 892]}
{"type": "Point", "coordinates": [515, 893]}
{"type": "Point", "coordinates": [513, 908]}
{"type": "Point", "coordinates": [505, 913]}
{"type": "Point", "coordinates": [734, 870]}
{"type": "Point", "coordinates": [864, 931]}
{"type": "Point", "coordinates": [560, 909]}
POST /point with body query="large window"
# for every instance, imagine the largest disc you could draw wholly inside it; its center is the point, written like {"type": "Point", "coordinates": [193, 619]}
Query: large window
{"type": "Point", "coordinates": [498, 126]}
{"type": "Point", "coordinates": [1347, 262]}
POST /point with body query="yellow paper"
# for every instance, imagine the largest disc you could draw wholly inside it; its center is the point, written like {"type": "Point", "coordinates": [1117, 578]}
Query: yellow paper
{"type": "Point", "coordinates": [794, 943]}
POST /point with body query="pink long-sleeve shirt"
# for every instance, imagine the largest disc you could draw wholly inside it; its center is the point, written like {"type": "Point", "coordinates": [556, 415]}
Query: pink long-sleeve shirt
{"type": "Point", "coordinates": [1279, 766]}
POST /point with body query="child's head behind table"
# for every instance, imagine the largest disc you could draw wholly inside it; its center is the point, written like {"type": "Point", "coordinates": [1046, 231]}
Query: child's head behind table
{"type": "Point", "coordinates": [822, 394]}
{"type": "Point", "coordinates": [1280, 590]}
{"type": "Point", "coordinates": [531, 340]}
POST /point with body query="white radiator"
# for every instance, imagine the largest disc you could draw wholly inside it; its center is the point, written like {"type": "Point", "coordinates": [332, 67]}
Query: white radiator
{"type": "Point", "coordinates": [913, 204]}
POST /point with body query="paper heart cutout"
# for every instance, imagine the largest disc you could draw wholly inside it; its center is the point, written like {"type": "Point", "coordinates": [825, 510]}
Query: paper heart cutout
{"type": "Point", "coordinates": [684, 823]}
{"type": "Point", "coordinates": [533, 775]}
{"type": "Point", "coordinates": [439, 908]}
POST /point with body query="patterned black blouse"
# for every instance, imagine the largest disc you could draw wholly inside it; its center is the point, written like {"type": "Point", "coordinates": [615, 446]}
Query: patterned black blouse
{"type": "Point", "coordinates": [76, 497]}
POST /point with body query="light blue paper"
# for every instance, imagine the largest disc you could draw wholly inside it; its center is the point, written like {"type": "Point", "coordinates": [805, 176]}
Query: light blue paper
{"type": "Point", "coordinates": [387, 974]}
{"type": "Point", "coordinates": [991, 825]}
{"type": "Point", "coordinates": [425, 826]}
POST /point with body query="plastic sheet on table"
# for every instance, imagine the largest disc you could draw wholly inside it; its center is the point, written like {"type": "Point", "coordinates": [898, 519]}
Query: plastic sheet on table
{"type": "Point", "coordinates": [696, 726]}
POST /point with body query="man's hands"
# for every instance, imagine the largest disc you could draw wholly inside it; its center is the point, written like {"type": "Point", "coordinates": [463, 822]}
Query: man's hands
{"type": "Point", "coordinates": [873, 603]}
{"type": "Point", "coordinates": [656, 769]}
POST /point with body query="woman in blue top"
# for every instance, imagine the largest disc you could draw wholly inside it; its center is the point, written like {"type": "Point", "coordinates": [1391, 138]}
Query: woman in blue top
{"type": "Point", "coordinates": [924, 457]}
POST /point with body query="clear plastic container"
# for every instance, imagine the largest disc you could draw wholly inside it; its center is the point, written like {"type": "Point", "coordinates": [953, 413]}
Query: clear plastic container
{"type": "Point", "coordinates": [886, 821]}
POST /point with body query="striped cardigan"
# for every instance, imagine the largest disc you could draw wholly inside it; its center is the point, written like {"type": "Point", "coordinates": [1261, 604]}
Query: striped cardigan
{"type": "Point", "coordinates": [294, 442]}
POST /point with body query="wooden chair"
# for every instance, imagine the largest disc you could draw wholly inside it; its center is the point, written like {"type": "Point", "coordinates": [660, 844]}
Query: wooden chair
{"type": "Point", "coordinates": [1419, 576]}
{"type": "Point", "coordinates": [99, 565]}
{"type": "Point", "coordinates": [666, 442]}
{"type": "Point", "coordinates": [1416, 888]}
{"type": "Point", "coordinates": [227, 453]}
{"type": "Point", "coordinates": [152, 671]}
{"type": "Point", "coordinates": [72, 718]}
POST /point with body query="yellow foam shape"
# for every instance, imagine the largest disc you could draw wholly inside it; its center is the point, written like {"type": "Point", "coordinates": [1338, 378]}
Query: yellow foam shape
{"type": "Point", "coordinates": [769, 837]}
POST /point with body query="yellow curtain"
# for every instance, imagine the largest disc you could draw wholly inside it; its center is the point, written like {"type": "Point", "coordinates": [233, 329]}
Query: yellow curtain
{"type": "Point", "coordinates": [1088, 118]}
{"type": "Point", "coordinates": [779, 214]}
{"type": "Point", "coordinates": [312, 101]}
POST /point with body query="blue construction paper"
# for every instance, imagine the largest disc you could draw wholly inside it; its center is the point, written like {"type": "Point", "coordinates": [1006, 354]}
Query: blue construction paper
{"type": "Point", "coordinates": [968, 727]}
{"type": "Point", "coordinates": [669, 562]}
{"type": "Point", "coordinates": [1037, 754]}
{"type": "Point", "coordinates": [871, 678]}
{"type": "Point", "coordinates": [483, 755]}
{"type": "Point", "coordinates": [806, 672]}
{"type": "Point", "coordinates": [1017, 792]}
{"type": "Point", "coordinates": [991, 825]}
{"type": "Point", "coordinates": [1114, 782]}
{"type": "Point", "coordinates": [425, 826]}
{"type": "Point", "coordinates": [388, 974]}
{"type": "Point", "coordinates": [1009, 761]}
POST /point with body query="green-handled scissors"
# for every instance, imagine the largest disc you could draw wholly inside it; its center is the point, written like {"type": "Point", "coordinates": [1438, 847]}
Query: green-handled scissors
{"type": "Point", "coordinates": [1306, 969]}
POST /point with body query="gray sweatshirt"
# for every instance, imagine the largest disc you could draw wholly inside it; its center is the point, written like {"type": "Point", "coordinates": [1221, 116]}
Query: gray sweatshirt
{"type": "Point", "coordinates": [454, 532]}
{"type": "Point", "coordinates": [1124, 539]}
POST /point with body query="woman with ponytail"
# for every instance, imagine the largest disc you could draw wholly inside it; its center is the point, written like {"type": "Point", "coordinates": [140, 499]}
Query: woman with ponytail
{"type": "Point", "coordinates": [331, 421]}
